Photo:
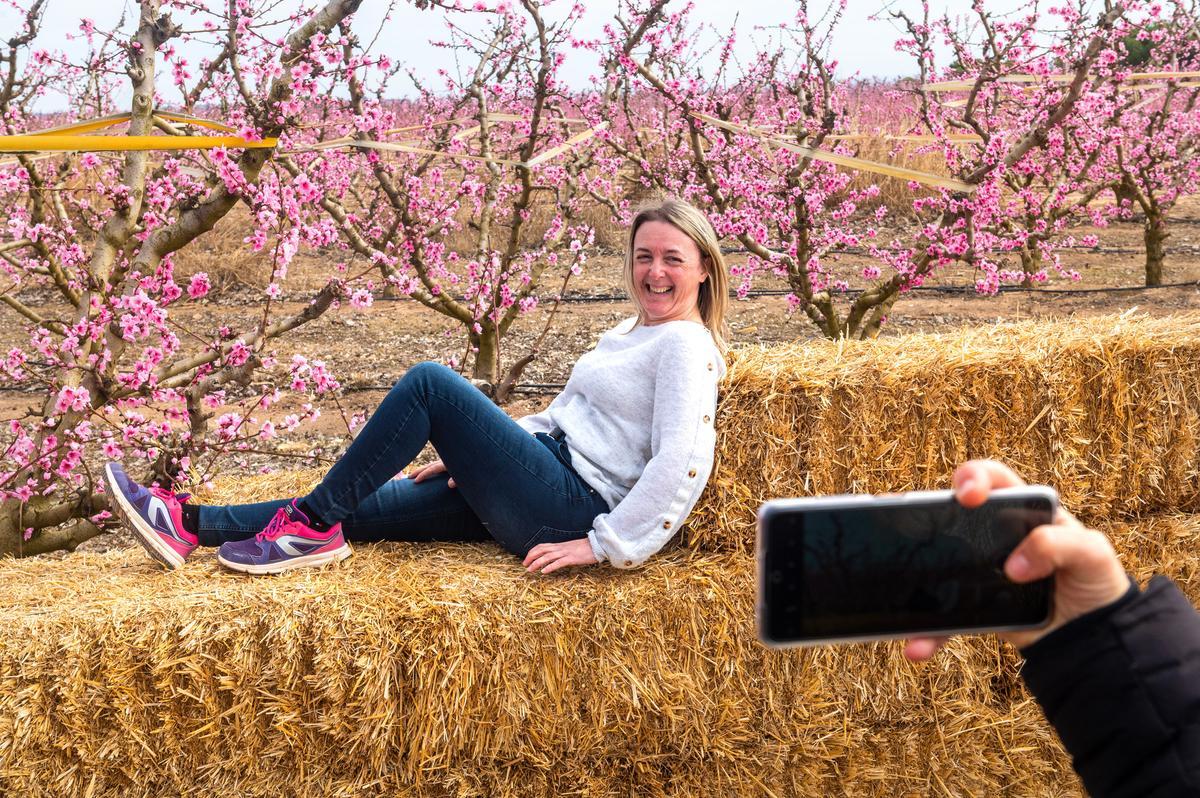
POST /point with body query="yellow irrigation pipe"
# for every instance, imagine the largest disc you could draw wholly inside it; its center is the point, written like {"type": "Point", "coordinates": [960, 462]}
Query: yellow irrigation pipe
{"type": "Point", "coordinates": [13, 161]}
{"type": "Point", "coordinates": [926, 178]}
{"type": "Point", "coordinates": [73, 137]}
{"type": "Point", "coordinates": [100, 123]}
{"type": "Point", "coordinates": [342, 141]}
{"type": "Point", "coordinates": [60, 143]}
{"type": "Point", "coordinates": [962, 138]}
{"type": "Point", "coordinates": [458, 156]}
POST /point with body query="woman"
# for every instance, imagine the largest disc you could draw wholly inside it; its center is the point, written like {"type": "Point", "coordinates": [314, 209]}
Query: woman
{"type": "Point", "coordinates": [607, 472]}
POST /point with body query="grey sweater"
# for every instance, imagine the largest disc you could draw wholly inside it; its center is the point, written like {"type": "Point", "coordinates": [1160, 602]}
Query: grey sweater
{"type": "Point", "coordinates": [637, 414]}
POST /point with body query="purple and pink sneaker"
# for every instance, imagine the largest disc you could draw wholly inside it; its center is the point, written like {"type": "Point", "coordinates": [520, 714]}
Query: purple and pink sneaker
{"type": "Point", "coordinates": [287, 542]}
{"type": "Point", "coordinates": [155, 515]}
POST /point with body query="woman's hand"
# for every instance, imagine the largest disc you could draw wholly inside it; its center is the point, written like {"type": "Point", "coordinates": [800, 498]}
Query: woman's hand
{"type": "Point", "coordinates": [549, 557]}
{"type": "Point", "coordinates": [427, 471]}
{"type": "Point", "coordinates": [1087, 574]}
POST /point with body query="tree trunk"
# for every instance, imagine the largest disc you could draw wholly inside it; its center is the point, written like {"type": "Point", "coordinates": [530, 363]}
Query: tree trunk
{"type": "Point", "coordinates": [876, 317]}
{"type": "Point", "coordinates": [57, 524]}
{"type": "Point", "coordinates": [1031, 264]}
{"type": "Point", "coordinates": [487, 345]}
{"type": "Point", "coordinates": [1155, 235]}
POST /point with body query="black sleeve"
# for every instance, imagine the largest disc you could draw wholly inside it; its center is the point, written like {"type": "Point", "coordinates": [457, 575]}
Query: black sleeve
{"type": "Point", "coordinates": [1121, 685]}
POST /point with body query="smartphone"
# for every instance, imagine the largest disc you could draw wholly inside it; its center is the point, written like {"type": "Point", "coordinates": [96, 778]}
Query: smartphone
{"type": "Point", "coordinates": [839, 569]}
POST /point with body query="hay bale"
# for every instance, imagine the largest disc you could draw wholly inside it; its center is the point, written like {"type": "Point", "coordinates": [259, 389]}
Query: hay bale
{"type": "Point", "coordinates": [1106, 409]}
{"type": "Point", "coordinates": [449, 671]}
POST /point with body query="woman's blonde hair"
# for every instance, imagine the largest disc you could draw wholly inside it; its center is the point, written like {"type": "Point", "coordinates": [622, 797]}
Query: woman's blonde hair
{"type": "Point", "coordinates": [714, 292]}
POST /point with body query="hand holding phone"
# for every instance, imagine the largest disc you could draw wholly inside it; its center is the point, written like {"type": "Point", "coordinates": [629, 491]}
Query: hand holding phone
{"type": "Point", "coordinates": [1086, 572]}
{"type": "Point", "coordinates": [861, 567]}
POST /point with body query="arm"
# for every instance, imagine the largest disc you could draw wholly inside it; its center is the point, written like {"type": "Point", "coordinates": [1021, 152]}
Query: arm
{"type": "Point", "coordinates": [1121, 686]}
{"type": "Point", "coordinates": [682, 443]}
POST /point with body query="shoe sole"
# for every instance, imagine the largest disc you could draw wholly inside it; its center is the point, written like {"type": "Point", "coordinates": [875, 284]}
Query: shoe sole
{"type": "Point", "coordinates": [143, 532]}
{"type": "Point", "coordinates": [303, 561]}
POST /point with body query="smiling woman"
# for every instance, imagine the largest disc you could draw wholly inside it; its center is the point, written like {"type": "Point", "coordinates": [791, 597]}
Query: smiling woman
{"type": "Point", "coordinates": [608, 472]}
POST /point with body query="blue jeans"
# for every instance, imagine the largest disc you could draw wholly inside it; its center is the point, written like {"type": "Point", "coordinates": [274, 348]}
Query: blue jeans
{"type": "Point", "coordinates": [513, 487]}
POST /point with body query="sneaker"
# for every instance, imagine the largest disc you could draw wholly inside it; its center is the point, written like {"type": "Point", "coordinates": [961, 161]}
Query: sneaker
{"type": "Point", "coordinates": [155, 515]}
{"type": "Point", "coordinates": [287, 542]}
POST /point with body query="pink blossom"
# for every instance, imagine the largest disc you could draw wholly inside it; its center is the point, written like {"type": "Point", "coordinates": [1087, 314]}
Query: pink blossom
{"type": "Point", "coordinates": [238, 353]}
{"type": "Point", "coordinates": [198, 285]}
{"type": "Point", "coordinates": [71, 398]}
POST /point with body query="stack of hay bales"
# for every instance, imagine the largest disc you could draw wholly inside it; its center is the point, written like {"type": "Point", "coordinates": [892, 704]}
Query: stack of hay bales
{"type": "Point", "coordinates": [1105, 409]}
{"type": "Point", "coordinates": [449, 671]}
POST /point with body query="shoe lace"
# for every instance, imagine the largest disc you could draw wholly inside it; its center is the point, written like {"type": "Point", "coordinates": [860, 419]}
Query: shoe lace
{"type": "Point", "coordinates": [274, 528]}
{"type": "Point", "coordinates": [163, 493]}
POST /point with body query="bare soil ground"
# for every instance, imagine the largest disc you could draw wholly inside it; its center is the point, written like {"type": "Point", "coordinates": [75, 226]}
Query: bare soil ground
{"type": "Point", "coordinates": [368, 350]}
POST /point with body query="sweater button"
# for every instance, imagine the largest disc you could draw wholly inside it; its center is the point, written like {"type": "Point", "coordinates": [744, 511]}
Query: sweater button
{"type": "Point", "coordinates": [666, 524]}
{"type": "Point", "coordinates": [710, 367]}
{"type": "Point", "coordinates": [706, 419]}
{"type": "Point", "coordinates": [692, 473]}
{"type": "Point", "coordinates": [629, 563]}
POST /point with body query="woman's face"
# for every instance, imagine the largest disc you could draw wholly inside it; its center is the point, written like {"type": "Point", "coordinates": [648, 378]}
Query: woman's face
{"type": "Point", "coordinates": [667, 272]}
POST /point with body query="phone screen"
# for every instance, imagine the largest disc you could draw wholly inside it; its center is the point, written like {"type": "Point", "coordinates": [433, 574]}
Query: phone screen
{"type": "Point", "coordinates": [891, 568]}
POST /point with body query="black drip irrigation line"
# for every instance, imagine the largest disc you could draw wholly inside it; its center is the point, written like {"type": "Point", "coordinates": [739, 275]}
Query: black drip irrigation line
{"type": "Point", "coordinates": [770, 292]}
{"type": "Point", "coordinates": [621, 297]}
{"type": "Point", "coordinates": [934, 289]}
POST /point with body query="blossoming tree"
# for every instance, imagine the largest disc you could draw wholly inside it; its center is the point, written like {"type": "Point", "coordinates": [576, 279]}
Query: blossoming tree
{"type": "Point", "coordinates": [1157, 158]}
{"type": "Point", "coordinates": [757, 151]}
{"type": "Point", "coordinates": [118, 375]}
{"type": "Point", "coordinates": [470, 196]}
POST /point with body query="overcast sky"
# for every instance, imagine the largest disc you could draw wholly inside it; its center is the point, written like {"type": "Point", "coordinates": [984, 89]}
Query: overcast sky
{"type": "Point", "coordinates": [864, 46]}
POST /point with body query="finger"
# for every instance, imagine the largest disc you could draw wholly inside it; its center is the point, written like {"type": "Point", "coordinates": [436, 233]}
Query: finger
{"type": "Point", "coordinates": [1054, 547]}
{"type": "Point", "coordinates": [428, 470]}
{"type": "Point", "coordinates": [539, 552]}
{"type": "Point", "coordinates": [424, 474]}
{"type": "Point", "coordinates": [920, 649]}
{"type": "Point", "coordinates": [1064, 518]}
{"type": "Point", "coordinates": [533, 554]}
{"type": "Point", "coordinates": [974, 479]}
{"type": "Point", "coordinates": [542, 561]}
{"type": "Point", "coordinates": [561, 562]}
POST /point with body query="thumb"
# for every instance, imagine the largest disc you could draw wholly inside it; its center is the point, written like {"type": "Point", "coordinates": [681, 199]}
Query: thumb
{"type": "Point", "coordinates": [1073, 550]}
